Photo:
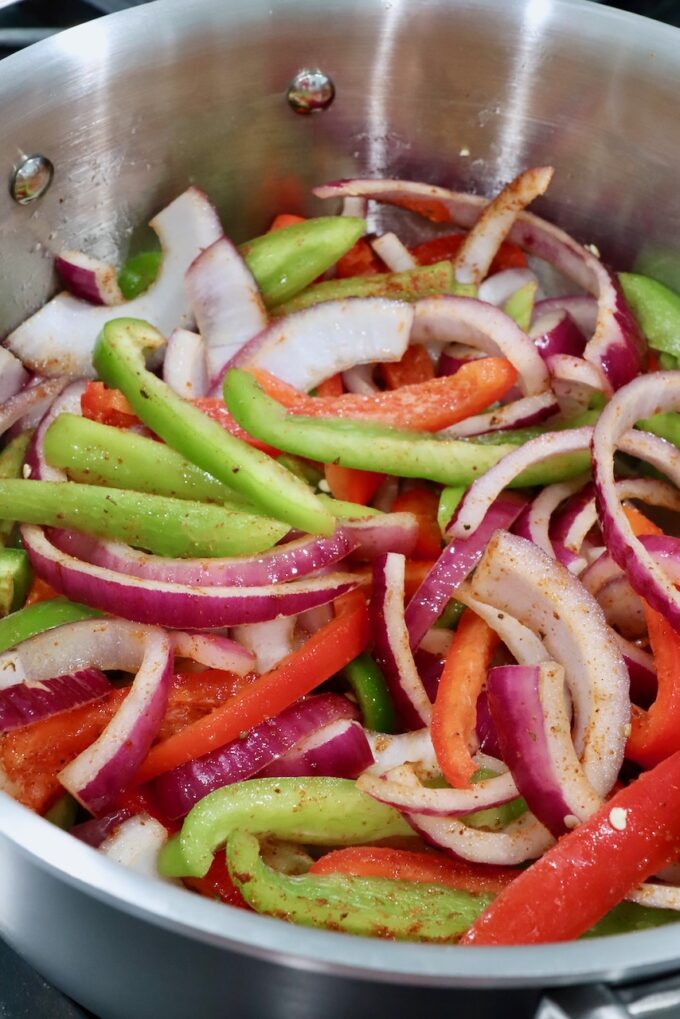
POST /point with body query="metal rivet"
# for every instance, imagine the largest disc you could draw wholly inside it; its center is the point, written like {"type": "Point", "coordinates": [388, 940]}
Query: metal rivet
{"type": "Point", "coordinates": [31, 179]}
{"type": "Point", "coordinates": [310, 91]}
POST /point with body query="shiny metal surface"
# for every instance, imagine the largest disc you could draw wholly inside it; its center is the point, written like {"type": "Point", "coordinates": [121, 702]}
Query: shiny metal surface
{"type": "Point", "coordinates": [459, 92]}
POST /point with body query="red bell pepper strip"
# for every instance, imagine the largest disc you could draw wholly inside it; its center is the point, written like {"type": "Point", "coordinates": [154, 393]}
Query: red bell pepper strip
{"type": "Point", "coordinates": [423, 502]}
{"type": "Point", "coordinates": [588, 871]}
{"type": "Point", "coordinates": [454, 714]}
{"type": "Point", "coordinates": [425, 406]}
{"type": "Point", "coordinates": [108, 406]}
{"type": "Point", "coordinates": [324, 654]}
{"type": "Point", "coordinates": [415, 573]}
{"type": "Point", "coordinates": [361, 260]}
{"type": "Point", "coordinates": [415, 366]}
{"type": "Point", "coordinates": [331, 387]}
{"type": "Point", "coordinates": [509, 256]}
{"type": "Point", "coordinates": [39, 591]}
{"type": "Point", "coordinates": [217, 883]}
{"type": "Point", "coordinates": [407, 865]}
{"type": "Point", "coordinates": [352, 485]}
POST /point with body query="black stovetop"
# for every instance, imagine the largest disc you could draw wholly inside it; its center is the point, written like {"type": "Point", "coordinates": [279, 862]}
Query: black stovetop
{"type": "Point", "coordinates": [23, 993]}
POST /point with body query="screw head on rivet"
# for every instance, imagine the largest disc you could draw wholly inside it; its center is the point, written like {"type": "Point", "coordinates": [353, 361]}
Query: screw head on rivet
{"type": "Point", "coordinates": [310, 91]}
{"type": "Point", "coordinates": [31, 179]}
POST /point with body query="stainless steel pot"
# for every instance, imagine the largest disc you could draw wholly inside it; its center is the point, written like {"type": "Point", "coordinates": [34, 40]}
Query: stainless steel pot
{"type": "Point", "coordinates": [132, 108]}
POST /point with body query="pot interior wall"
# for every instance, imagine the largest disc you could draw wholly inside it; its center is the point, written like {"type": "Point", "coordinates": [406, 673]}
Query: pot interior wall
{"type": "Point", "coordinates": [463, 94]}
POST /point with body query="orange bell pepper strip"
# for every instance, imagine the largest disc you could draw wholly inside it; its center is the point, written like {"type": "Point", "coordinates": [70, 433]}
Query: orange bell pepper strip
{"type": "Point", "coordinates": [283, 220]}
{"type": "Point", "coordinates": [454, 714]}
{"type": "Point", "coordinates": [352, 485]}
{"type": "Point", "coordinates": [40, 591]}
{"type": "Point", "coordinates": [415, 366]}
{"type": "Point", "coordinates": [423, 503]}
{"type": "Point", "coordinates": [509, 256]}
{"type": "Point", "coordinates": [425, 406]}
{"type": "Point", "coordinates": [216, 409]}
{"type": "Point", "coordinates": [407, 865]}
{"type": "Point", "coordinates": [325, 653]}
{"type": "Point", "coordinates": [655, 733]}
{"type": "Point", "coordinates": [217, 884]}
{"type": "Point", "coordinates": [592, 868]}
{"type": "Point", "coordinates": [331, 387]}
{"type": "Point", "coordinates": [108, 406]}
{"type": "Point", "coordinates": [361, 260]}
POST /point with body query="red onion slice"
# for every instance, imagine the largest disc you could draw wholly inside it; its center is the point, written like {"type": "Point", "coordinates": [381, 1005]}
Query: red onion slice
{"type": "Point", "coordinates": [521, 642]}
{"type": "Point", "coordinates": [360, 380]}
{"type": "Point", "coordinates": [394, 254]}
{"type": "Point", "coordinates": [498, 288]}
{"type": "Point", "coordinates": [515, 576]}
{"type": "Point", "coordinates": [33, 398]}
{"type": "Point", "coordinates": [474, 258]}
{"type": "Point", "coordinates": [616, 347]}
{"type": "Point", "coordinates": [97, 775]}
{"type": "Point", "coordinates": [534, 524]}
{"type": "Point", "coordinates": [555, 332]}
{"type": "Point", "coordinates": [622, 608]}
{"type": "Point", "coordinates": [414, 748]}
{"type": "Point", "coordinates": [414, 797]}
{"type": "Point", "coordinates": [13, 375]}
{"type": "Point", "coordinates": [94, 831]}
{"type": "Point", "coordinates": [582, 515]}
{"type": "Point", "coordinates": [177, 791]}
{"type": "Point", "coordinates": [59, 338]}
{"type": "Point", "coordinates": [309, 346]}
{"type": "Point", "coordinates": [391, 642]}
{"type": "Point", "coordinates": [226, 302]}
{"type": "Point", "coordinates": [581, 309]}
{"type": "Point", "coordinates": [454, 564]}
{"type": "Point", "coordinates": [487, 488]}
{"type": "Point", "coordinates": [268, 642]}
{"type": "Point", "coordinates": [24, 703]}
{"type": "Point", "coordinates": [338, 750]}
{"type": "Point", "coordinates": [530, 410]}
{"type": "Point", "coordinates": [136, 844]}
{"type": "Point", "coordinates": [185, 366]}
{"type": "Point", "coordinates": [463, 319]}
{"type": "Point", "coordinates": [656, 896]}
{"type": "Point", "coordinates": [529, 711]}
{"type": "Point", "coordinates": [290, 561]}
{"type": "Point", "coordinates": [175, 605]}
{"type": "Point", "coordinates": [66, 402]}
{"type": "Point", "coordinates": [214, 651]}
{"type": "Point", "coordinates": [89, 279]}
{"type": "Point", "coordinates": [574, 382]}
{"type": "Point", "coordinates": [650, 394]}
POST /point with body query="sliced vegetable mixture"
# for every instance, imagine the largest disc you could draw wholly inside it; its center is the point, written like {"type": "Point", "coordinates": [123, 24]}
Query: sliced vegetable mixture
{"type": "Point", "coordinates": [324, 579]}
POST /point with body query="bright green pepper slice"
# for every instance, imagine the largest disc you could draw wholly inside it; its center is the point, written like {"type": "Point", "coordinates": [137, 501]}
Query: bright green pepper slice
{"type": "Point", "coordinates": [449, 501]}
{"type": "Point", "coordinates": [44, 615]}
{"type": "Point", "coordinates": [410, 285]}
{"type": "Point", "coordinates": [63, 812]}
{"type": "Point", "coordinates": [370, 690]}
{"type": "Point", "coordinates": [97, 454]}
{"type": "Point", "coordinates": [494, 818]}
{"type": "Point", "coordinates": [657, 310]}
{"type": "Point", "coordinates": [11, 464]}
{"type": "Point", "coordinates": [319, 811]}
{"type": "Point", "coordinates": [374, 907]}
{"type": "Point", "coordinates": [348, 510]}
{"type": "Point", "coordinates": [119, 360]}
{"type": "Point", "coordinates": [138, 273]}
{"type": "Point", "coordinates": [15, 579]}
{"type": "Point", "coordinates": [520, 305]}
{"type": "Point", "coordinates": [629, 916]}
{"type": "Point", "coordinates": [372, 447]}
{"type": "Point", "coordinates": [170, 527]}
{"type": "Point", "coordinates": [285, 261]}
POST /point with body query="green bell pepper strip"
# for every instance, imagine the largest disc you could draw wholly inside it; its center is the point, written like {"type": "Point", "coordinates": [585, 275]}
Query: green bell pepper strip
{"type": "Point", "coordinates": [520, 305]}
{"type": "Point", "coordinates": [370, 690]}
{"type": "Point", "coordinates": [629, 916]}
{"type": "Point", "coordinates": [494, 818]}
{"type": "Point", "coordinates": [410, 285]}
{"type": "Point", "coordinates": [518, 436]}
{"type": "Point", "coordinates": [119, 361]}
{"type": "Point", "coordinates": [303, 469]}
{"type": "Point", "coordinates": [319, 811]}
{"type": "Point", "coordinates": [373, 447]}
{"type": "Point", "coordinates": [285, 261]}
{"type": "Point", "coordinates": [449, 501]}
{"type": "Point", "coordinates": [282, 262]}
{"type": "Point", "coordinates": [374, 907]}
{"type": "Point", "coordinates": [11, 464]}
{"type": "Point", "coordinates": [97, 454]}
{"type": "Point", "coordinates": [63, 812]}
{"type": "Point", "coordinates": [15, 579]}
{"type": "Point", "coordinates": [348, 510]}
{"type": "Point", "coordinates": [656, 309]}
{"type": "Point", "coordinates": [138, 273]}
{"type": "Point", "coordinates": [164, 526]}
{"type": "Point", "coordinates": [666, 426]}
{"type": "Point", "coordinates": [44, 615]}
{"type": "Point", "coordinates": [450, 617]}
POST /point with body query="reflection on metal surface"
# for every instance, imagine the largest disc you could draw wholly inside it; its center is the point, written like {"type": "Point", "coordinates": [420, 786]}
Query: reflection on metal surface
{"type": "Point", "coordinates": [31, 179]}
{"type": "Point", "coordinates": [310, 91]}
